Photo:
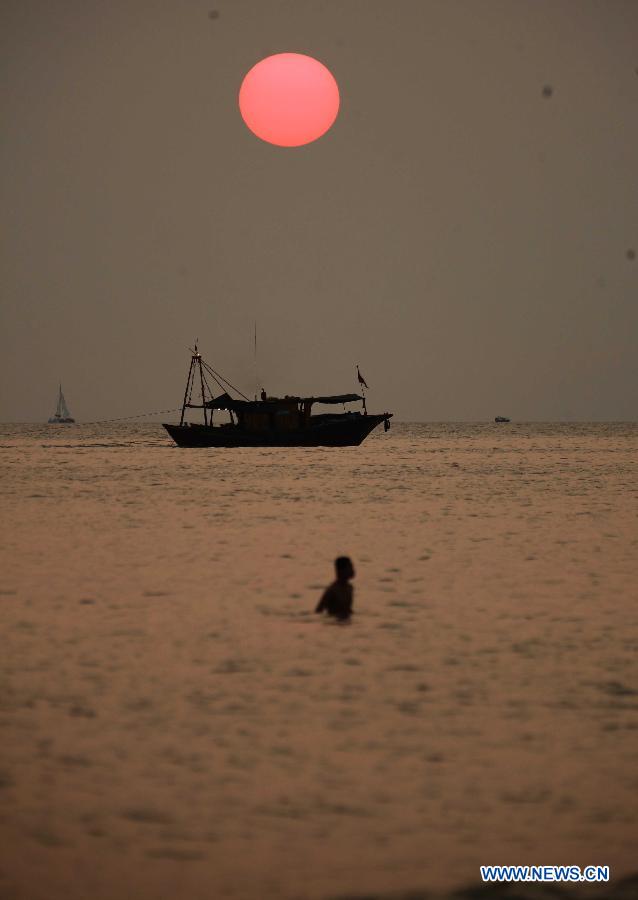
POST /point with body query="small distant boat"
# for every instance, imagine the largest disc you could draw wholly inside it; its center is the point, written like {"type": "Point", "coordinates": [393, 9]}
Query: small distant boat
{"type": "Point", "coordinates": [270, 421]}
{"type": "Point", "coordinates": [62, 416]}
{"type": "Point", "coordinates": [501, 419]}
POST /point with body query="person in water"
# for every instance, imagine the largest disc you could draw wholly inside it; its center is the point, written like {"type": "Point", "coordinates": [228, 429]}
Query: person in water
{"type": "Point", "coordinates": [337, 598]}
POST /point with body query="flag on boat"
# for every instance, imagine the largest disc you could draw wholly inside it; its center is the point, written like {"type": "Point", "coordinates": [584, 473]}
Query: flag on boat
{"type": "Point", "coordinates": [361, 379]}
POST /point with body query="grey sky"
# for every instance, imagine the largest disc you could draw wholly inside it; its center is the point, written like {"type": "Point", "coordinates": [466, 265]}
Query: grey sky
{"type": "Point", "coordinates": [459, 235]}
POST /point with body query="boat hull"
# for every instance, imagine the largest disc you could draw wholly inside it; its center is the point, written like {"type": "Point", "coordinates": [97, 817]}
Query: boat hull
{"type": "Point", "coordinates": [348, 432]}
{"type": "Point", "coordinates": [55, 420]}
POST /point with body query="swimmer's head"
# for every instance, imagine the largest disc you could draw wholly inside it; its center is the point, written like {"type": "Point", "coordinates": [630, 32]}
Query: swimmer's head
{"type": "Point", "coordinates": [344, 568]}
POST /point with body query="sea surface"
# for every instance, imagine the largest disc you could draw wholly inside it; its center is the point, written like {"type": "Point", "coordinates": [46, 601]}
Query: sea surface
{"type": "Point", "coordinates": [176, 722]}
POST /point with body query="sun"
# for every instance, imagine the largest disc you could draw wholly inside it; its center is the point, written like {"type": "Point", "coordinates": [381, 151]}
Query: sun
{"type": "Point", "coordinates": [289, 99]}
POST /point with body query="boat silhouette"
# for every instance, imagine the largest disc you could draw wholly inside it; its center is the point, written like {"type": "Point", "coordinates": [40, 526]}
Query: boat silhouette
{"type": "Point", "coordinates": [270, 421]}
{"type": "Point", "coordinates": [61, 416]}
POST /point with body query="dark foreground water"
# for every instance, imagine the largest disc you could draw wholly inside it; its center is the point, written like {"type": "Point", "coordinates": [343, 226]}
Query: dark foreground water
{"type": "Point", "coordinates": [175, 722]}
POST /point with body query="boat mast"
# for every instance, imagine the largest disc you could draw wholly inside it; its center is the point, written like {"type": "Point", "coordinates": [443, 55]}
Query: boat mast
{"type": "Point", "coordinates": [196, 363]}
{"type": "Point", "coordinates": [201, 381]}
{"type": "Point", "coordinates": [191, 377]}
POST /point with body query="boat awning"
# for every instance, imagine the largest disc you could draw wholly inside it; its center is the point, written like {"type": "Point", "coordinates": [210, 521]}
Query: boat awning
{"type": "Point", "coordinates": [225, 401]}
{"type": "Point", "coordinates": [338, 398]}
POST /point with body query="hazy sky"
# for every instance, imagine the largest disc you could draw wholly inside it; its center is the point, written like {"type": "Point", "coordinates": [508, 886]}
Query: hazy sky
{"type": "Point", "coordinates": [463, 238]}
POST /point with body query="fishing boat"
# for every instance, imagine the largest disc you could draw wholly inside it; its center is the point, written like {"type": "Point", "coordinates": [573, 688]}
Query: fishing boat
{"type": "Point", "coordinates": [501, 419]}
{"type": "Point", "coordinates": [269, 421]}
{"type": "Point", "coordinates": [62, 416]}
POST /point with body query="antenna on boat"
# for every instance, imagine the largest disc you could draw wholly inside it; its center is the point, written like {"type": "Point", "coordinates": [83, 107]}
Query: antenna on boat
{"type": "Point", "coordinates": [255, 359]}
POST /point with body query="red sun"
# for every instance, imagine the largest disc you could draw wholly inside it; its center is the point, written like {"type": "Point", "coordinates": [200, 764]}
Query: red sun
{"type": "Point", "coordinates": [289, 99]}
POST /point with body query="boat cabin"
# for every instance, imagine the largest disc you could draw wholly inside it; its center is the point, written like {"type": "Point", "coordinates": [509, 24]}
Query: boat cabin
{"type": "Point", "coordinates": [278, 413]}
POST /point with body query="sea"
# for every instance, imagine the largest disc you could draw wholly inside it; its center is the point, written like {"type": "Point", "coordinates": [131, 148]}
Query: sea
{"type": "Point", "coordinates": [177, 722]}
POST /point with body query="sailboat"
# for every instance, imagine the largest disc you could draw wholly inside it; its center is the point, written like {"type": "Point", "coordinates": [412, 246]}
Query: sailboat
{"type": "Point", "coordinates": [62, 415]}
